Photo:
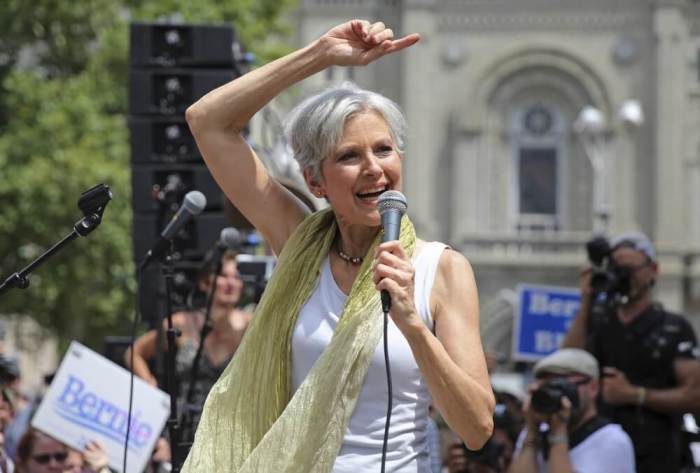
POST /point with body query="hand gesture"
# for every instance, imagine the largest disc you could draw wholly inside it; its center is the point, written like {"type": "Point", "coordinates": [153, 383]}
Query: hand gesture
{"type": "Point", "coordinates": [161, 451]}
{"type": "Point", "coordinates": [359, 42]}
{"type": "Point", "coordinates": [95, 456]}
{"type": "Point", "coordinates": [617, 389]}
{"type": "Point", "coordinates": [558, 421]}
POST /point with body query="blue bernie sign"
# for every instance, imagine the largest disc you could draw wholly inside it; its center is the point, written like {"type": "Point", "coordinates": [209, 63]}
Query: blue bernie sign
{"type": "Point", "coordinates": [543, 317]}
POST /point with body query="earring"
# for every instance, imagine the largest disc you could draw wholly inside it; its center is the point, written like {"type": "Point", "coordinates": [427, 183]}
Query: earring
{"type": "Point", "coordinates": [319, 194]}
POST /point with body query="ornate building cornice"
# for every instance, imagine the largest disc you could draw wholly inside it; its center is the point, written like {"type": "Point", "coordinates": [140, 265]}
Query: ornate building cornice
{"type": "Point", "coordinates": [538, 22]}
{"type": "Point", "coordinates": [350, 3]}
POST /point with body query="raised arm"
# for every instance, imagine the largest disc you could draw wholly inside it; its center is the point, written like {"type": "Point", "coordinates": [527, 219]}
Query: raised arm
{"type": "Point", "coordinates": [218, 118]}
{"type": "Point", "coordinates": [576, 336]}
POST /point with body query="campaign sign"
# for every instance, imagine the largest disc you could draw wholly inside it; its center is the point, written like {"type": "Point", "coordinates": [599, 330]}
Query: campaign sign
{"type": "Point", "coordinates": [89, 400]}
{"type": "Point", "coordinates": [543, 317]}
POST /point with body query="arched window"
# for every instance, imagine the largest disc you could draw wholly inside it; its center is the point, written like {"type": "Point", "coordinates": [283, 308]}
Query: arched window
{"type": "Point", "coordinates": [538, 141]}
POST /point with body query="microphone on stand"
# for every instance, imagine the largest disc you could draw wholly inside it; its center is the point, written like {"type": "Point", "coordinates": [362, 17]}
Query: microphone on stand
{"type": "Point", "coordinates": [193, 204]}
{"type": "Point", "coordinates": [392, 205]}
{"type": "Point", "coordinates": [229, 239]}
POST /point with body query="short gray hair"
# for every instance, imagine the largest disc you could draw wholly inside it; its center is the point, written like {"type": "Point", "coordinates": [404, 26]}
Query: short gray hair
{"type": "Point", "coordinates": [315, 126]}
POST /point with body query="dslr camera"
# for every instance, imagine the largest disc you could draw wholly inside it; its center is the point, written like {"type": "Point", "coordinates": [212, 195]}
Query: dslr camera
{"type": "Point", "coordinates": [607, 278]}
{"type": "Point", "coordinates": [547, 398]}
{"type": "Point", "coordinates": [490, 455]}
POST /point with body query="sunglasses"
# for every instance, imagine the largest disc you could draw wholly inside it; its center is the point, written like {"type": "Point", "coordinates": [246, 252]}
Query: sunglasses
{"type": "Point", "coordinates": [44, 458]}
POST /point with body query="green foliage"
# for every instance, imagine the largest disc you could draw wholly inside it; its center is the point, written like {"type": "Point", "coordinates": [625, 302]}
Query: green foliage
{"type": "Point", "coordinates": [63, 105]}
{"type": "Point", "coordinates": [62, 34]}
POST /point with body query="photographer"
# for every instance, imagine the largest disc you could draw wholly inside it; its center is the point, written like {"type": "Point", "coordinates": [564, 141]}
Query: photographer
{"type": "Point", "coordinates": [649, 356]}
{"type": "Point", "coordinates": [564, 432]}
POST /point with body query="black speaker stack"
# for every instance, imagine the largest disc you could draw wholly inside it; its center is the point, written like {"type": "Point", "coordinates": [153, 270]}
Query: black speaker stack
{"type": "Point", "coordinates": [170, 67]}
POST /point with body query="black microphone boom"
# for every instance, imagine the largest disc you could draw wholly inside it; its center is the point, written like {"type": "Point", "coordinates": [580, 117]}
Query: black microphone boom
{"type": "Point", "coordinates": [392, 205]}
{"type": "Point", "coordinates": [193, 204]}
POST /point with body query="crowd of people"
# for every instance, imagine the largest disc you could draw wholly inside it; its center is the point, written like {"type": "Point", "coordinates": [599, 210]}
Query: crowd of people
{"type": "Point", "coordinates": [626, 381]}
{"type": "Point", "coordinates": [24, 449]}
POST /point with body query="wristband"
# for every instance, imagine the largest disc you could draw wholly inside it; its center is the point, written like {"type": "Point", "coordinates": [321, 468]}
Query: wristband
{"type": "Point", "coordinates": [641, 396]}
{"type": "Point", "coordinates": [557, 438]}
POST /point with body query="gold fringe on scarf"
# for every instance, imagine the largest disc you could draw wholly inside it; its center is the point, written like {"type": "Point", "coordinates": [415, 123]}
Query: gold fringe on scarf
{"type": "Point", "coordinates": [249, 423]}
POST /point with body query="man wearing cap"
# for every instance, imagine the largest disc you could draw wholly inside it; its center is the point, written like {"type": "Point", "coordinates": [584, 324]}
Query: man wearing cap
{"type": "Point", "coordinates": [571, 436]}
{"type": "Point", "coordinates": [649, 356]}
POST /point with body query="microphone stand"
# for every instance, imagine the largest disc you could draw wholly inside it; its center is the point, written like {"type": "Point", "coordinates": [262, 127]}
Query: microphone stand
{"type": "Point", "coordinates": [172, 333]}
{"type": "Point", "coordinates": [83, 227]}
{"type": "Point", "coordinates": [204, 332]}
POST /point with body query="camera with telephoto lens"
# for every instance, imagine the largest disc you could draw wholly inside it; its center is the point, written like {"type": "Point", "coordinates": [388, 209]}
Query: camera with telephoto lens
{"type": "Point", "coordinates": [606, 277]}
{"type": "Point", "coordinates": [547, 398]}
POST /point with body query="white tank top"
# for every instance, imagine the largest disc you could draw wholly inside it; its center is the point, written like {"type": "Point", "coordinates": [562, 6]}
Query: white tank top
{"type": "Point", "coordinates": [407, 449]}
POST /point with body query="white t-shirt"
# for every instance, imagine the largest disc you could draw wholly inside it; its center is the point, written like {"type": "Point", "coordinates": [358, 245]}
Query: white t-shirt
{"type": "Point", "coordinates": [607, 450]}
{"type": "Point", "coordinates": [408, 450]}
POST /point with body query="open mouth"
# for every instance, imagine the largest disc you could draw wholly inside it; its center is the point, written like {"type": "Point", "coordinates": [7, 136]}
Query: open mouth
{"type": "Point", "coordinates": [372, 194]}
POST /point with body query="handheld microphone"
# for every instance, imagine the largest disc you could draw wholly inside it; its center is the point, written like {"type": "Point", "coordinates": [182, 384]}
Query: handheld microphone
{"type": "Point", "coordinates": [392, 205]}
{"type": "Point", "coordinates": [193, 204]}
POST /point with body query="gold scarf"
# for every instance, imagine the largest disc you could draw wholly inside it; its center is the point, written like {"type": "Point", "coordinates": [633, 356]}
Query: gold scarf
{"type": "Point", "coordinates": [249, 423]}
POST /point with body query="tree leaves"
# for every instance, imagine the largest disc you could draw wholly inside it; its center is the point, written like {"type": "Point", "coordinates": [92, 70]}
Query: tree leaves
{"type": "Point", "coordinates": [63, 106]}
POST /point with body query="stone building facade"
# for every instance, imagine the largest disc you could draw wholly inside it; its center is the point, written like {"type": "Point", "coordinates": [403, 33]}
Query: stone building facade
{"type": "Point", "coordinates": [494, 164]}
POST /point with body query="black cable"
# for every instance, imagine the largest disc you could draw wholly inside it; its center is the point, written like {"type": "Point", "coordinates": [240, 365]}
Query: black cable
{"type": "Point", "coordinates": [134, 326]}
{"type": "Point", "coordinates": [388, 382]}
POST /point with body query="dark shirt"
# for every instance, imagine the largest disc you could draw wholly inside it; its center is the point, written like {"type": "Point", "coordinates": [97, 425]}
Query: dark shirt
{"type": "Point", "coordinates": [645, 351]}
{"type": "Point", "coordinates": [207, 375]}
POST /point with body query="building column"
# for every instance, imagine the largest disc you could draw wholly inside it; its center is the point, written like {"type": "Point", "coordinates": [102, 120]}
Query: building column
{"type": "Point", "coordinates": [671, 31]}
{"type": "Point", "coordinates": [623, 178]}
{"type": "Point", "coordinates": [465, 185]}
{"type": "Point", "coordinates": [425, 128]}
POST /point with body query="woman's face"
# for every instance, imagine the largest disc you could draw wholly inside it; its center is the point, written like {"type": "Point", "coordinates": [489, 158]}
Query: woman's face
{"type": "Point", "coordinates": [642, 271]}
{"type": "Point", "coordinates": [364, 164]}
{"type": "Point", "coordinates": [48, 456]}
{"type": "Point", "coordinates": [228, 284]}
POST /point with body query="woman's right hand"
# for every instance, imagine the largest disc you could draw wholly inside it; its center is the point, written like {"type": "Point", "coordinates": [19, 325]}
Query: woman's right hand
{"type": "Point", "coordinates": [359, 42]}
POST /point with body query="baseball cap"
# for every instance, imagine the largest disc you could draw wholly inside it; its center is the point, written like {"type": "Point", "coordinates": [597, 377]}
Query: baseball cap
{"type": "Point", "coordinates": [636, 240]}
{"type": "Point", "coordinates": [568, 361]}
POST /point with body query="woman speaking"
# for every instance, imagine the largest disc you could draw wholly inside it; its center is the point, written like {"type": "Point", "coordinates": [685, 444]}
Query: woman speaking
{"type": "Point", "coordinates": [306, 391]}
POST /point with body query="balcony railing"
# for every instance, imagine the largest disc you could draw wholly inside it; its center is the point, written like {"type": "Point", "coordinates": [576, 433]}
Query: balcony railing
{"type": "Point", "coordinates": [551, 248]}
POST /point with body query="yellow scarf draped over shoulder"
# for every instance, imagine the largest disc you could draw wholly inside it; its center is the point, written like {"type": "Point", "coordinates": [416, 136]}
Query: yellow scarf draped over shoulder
{"type": "Point", "coordinates": [249, 423]}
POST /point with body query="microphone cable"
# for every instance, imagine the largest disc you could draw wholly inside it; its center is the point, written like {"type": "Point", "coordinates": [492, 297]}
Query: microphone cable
{"type": "Point", "coordinates": [389, 388]}
{"type": "Point", "coordinates": [134, 327]}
